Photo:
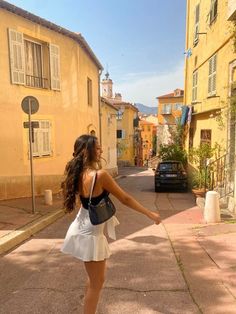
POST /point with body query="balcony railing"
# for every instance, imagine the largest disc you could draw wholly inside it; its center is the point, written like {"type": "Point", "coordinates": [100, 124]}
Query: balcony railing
{"type": "Point", "coordinates": [169, 111]}
{"type": "Point", "coordinates": [219, 176]}
{"type": "Point", "coordinates": [38, 82]}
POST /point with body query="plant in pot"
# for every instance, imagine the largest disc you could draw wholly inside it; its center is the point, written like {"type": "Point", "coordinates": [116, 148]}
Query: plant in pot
{"type": "Point", "coordinates": [198, 156]}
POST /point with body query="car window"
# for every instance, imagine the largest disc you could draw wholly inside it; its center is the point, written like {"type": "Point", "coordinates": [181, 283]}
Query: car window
{"type": "Point", "coordinates": [170, 167]}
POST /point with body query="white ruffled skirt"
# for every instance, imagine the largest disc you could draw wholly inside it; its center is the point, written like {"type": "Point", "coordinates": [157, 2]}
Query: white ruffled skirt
{"type": "Point", "coordinates": [86, 241]}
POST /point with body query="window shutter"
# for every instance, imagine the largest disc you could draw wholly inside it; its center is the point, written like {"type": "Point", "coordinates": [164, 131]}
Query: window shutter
{"type": "Point", "coordinates": [212, 76]}
{"type": "Point", "coordinates": [196, 24]}
{"type": "Point", "coordinates": [45, 138]}
{"type": "Point", "coordinates": [123, 134]}
{"type": "Point", "coordinates": [55, 67]}
{"type": "Point", "coordinates": [17, 58]}
{"type": "Point", "coordinates": [35, 146]}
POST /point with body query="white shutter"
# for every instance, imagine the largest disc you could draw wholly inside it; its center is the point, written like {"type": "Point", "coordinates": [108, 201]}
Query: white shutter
{"type": "Point", "coordinates": [45, 138]}
{"type": "Point", "coordinates": [194, 88]}
{"type": "Point", "coordinates": [196, 24]}
{"type": "Point", "coordinates": [35, 146]}
{"type": "Point", "coordinates": [212, 76]}
{"type": "Point", "coordinates": [17, 57]}
{"type": "Point", "coordinates": [123, 134]}
{"type": "Point", "coordinates": [55, 67]}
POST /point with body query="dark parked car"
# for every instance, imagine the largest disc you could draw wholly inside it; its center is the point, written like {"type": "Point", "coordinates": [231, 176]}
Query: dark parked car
{"type": "Point", "coordinates": [171, 174]}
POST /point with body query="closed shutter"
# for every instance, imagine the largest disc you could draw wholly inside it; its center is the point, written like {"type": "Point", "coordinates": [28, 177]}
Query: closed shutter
{"type": "Point", "coordinates": [194, 89]}
{"type": "Point", "coordinates": [45, 138]}
{"type": "Point", "coordinates": [42, 139]}
{"type": "Point", "coordinates": [17, 58]}
{"type": "Point", "coordinates": [196, 25]}
{"type": "Point", "coordinates": [212, 76]}
{"type": "Point", "coordinates": [35, 146]}
{"type": "Point", "coordinates": [123, 134]}
{"type": "Point", "coordinates": [55, 67]}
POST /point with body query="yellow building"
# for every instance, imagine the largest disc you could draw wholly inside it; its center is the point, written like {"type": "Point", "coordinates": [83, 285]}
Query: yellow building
{"type": "Point", "coordinates": [56, 66]}
{"type": "Point", "coordinates": [210, 73]}
{"type": "Point", "coordinates": [209, 67]}
{"type": "Point", "coordinates": [128, 135]}
{"type": "Point", "coordinates": [169, 111]}
{"type": "Point", "coordinates": [148, 132]}
{"type": "Point", "coordinates": [108, 136]}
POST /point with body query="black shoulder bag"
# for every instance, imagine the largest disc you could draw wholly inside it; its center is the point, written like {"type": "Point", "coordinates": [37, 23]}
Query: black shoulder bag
{"type": "Point", "coordinates": [101, 212]}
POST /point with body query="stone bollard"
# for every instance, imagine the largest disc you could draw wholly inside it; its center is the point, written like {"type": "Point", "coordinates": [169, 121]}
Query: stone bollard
{"type": "Point", "coordinates": [48, 197]}
{"type": "Point", "coordinates": [212, 207]}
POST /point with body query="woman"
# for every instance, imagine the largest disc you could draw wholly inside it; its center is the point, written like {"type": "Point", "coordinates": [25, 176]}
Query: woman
{"type": "Point", "coordinates": [84, 240]}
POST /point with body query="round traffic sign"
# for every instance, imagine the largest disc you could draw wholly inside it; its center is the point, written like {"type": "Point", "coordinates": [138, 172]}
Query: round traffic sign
{"type": "Point", "coordinates": [30, 104]}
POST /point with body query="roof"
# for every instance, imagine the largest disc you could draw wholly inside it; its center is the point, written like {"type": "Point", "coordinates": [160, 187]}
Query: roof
{"type": "Point", "coordinates": [145, 122]}
{"type": "Point", "coordinates": [38, 20]}
{"type": "Point", "coordinates": [172, 95]}
{"type": "Point", "coordinates": [118, 103]}
{"type": "Point", "coordinates": [106, 101]}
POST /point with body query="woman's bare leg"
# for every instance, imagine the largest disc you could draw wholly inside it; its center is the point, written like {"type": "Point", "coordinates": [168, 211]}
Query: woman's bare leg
{"type": "Point", "coordinates": [96, 275]}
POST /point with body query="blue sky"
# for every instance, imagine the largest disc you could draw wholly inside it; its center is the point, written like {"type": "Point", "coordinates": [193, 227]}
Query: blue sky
{"type": "Point", "coordinates": [140, 41]}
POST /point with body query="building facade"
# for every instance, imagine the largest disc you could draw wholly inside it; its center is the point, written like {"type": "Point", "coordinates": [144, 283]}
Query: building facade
{"type": "Point", "coordinates": [148, 133]}
{"type": "Point", "coordinates": [168, 115]}
{"type": "Point", "coordinates": [58, 68]}
{"type": "Point", "coordinates": [209, 69]}
{"type": "Point", "coordinates": [128, 134]}
{"type": "Point", "coordinates": [108, 136]}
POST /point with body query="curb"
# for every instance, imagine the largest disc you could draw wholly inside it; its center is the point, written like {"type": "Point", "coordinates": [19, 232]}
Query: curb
{"type": "Point", "coordinates": [16, 237]}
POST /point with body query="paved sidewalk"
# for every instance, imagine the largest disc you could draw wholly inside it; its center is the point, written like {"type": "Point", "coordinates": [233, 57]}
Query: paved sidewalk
{"type": "Point", "coordinates": [18, 223]}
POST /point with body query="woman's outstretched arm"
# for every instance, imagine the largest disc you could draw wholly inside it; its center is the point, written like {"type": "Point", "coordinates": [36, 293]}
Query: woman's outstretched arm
{"type": "Point", "coordinates": [110, 185]}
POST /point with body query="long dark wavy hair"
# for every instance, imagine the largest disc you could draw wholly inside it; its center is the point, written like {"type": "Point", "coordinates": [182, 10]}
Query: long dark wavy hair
{"type": "Point", "coordinates": [84, 155]}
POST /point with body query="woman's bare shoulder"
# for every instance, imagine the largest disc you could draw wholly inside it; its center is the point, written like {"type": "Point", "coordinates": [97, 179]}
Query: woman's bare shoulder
{"type": "Point", "coordinates": [104, 175]}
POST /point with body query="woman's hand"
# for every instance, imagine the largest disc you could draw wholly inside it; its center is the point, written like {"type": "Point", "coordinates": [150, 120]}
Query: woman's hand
{"type": "Point", "coordinates": [155, 217]}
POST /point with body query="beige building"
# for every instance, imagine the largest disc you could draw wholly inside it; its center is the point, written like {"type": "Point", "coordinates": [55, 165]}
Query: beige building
{"type": "Point", "coordinates": [56, 66]}
{"type": "Point", "coordinates": [169, 111]}
{"type": "Point", "coordinates": [108, 136]}
{"type": "Point", "coordinates": [128, 134]}
{"type": "Point", "coordinates": [148, 132]}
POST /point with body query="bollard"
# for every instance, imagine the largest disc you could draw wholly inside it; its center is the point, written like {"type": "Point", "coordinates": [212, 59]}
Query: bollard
{"type": "Point", "coordinates": [48, 197]}
{"type": "Point", "coordinates": [212, 207]}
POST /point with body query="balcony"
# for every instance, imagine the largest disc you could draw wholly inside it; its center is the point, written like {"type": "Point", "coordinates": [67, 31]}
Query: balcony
{"type": "Point", "coordinates": [231, 10]}
{"type": "Point", "coordinates": [34, 81]}
{"type": "Point", "coordinates": [166, 112]}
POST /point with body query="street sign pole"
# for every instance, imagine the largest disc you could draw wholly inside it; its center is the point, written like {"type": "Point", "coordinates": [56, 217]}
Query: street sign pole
{"type": "Point", "coordinates": [30, 105]}
{"type": "Point", "coordinates": [31, 159]}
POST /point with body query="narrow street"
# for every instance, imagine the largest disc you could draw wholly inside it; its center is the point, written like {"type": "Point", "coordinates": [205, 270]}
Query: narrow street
{"type": "Point", "coordinates": [143, 275]}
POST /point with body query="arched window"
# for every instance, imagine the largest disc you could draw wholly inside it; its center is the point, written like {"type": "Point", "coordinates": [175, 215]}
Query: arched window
{"type": "Point", "coordinates": [93, 133]}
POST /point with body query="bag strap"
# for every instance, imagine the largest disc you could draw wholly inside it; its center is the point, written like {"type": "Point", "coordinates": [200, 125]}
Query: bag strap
{"type": "Point", "coordinates": [92, 187]}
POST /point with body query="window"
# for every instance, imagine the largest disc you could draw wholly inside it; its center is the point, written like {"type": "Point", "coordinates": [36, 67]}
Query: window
{"type": "Point", "coordinates": [42, 139]}
{"type": "Point", "coordinates": [212, 76]}
{"type": "Point", "coordinates": [205, 137]}
{"type": "Point", "coordinates": [213, 10]}
{"type": "Point", "coordinates": [196, 24]}
{"type": "Point", "coordinates": [166, 109]}
{"type": "Point", "coordinates": [120, 134]}
{"type": "Point", "coordinates": [89, 91]}
{"type": "Point", "coordinates": [177, 106]}
{"type": "Point", "coordinates": [32, 63]}
{"type": "Point", "coordinates": [194, 88]}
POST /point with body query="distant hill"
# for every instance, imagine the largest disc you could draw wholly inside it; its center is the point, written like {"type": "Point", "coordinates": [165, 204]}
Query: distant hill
{"type": "Point", "coordinates": [145, 109]}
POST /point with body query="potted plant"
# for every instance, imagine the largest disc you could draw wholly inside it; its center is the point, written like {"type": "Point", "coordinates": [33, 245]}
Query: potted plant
{"type": "Point", "coordinates": [200, 178]}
